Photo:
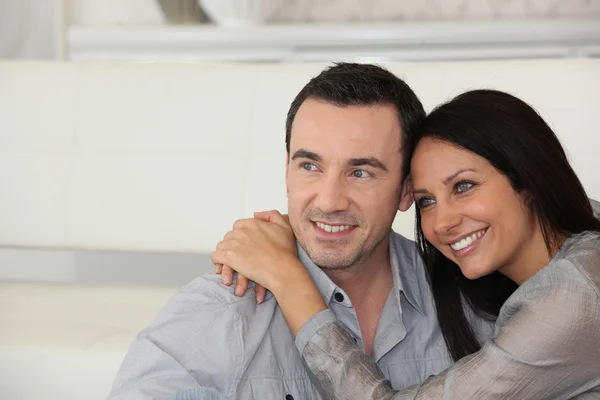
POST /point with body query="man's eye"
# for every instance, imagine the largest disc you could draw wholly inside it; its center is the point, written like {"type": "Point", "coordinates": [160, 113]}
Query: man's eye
{"type": "Point", "coordinates": [359, 173]}
{"type": "Point", "coordinates": [309, 166]}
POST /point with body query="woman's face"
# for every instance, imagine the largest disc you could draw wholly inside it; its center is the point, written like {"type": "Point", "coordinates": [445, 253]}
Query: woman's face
{"type": "Point", "coordinates": [469, 210]}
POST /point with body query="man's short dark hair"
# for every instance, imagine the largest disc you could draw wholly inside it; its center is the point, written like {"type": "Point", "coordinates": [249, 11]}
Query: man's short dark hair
{"type": "Point", "coordinates": [353, 84]}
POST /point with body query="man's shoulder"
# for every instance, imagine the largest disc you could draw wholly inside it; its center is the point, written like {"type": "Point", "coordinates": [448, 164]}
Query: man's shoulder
{"type": "Point", "coordinates": [210, 286]}
{"type": "Point", "coordinates": [206, 305]}
{"type": "Point", "coordinates": [205, 335]}
{"type": "Point", "coordinates": [206, 292]}
{"type": "Point", "coordinates": [401, 239]}
{"type": "Point", "coordinates": [405, 248]}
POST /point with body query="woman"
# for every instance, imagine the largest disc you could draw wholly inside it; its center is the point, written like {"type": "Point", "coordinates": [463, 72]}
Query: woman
{"type": "Point", "coordinates": [505, 228]}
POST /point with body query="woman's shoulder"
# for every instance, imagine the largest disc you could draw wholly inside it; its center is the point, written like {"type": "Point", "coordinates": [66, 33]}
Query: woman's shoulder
{"type": "Point", "coordinates": [554, 317]}
{"type": "Point", "coordinates": [570, 281]}
{"type": "Point", "coordinates": [579, 257]}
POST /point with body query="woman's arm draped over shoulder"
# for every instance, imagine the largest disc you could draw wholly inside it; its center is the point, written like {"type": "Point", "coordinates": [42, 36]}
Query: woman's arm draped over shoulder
{"type": "Point", "coordinates": [548, 349]}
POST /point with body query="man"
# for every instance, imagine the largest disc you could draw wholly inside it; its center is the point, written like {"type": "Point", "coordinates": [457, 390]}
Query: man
{"type": "Point", "coordinates": [345, 182]}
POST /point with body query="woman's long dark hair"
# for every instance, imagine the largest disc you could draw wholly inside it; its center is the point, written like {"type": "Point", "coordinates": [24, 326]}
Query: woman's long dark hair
{"type": "Point", "coordinates": [517, 142]}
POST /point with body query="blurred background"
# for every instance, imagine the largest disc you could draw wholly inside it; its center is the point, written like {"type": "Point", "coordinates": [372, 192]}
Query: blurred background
{"type": "Point", "coordinates": [305, 30]}
{"type": "Point", "coordinates": [133, 133]}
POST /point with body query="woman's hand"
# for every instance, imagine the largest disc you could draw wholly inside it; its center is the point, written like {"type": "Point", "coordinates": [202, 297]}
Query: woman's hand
{"type": "Point", "coordinates": [256, 248]}
{"type": "Point", "coordinates": [241, 284]}
{"type": "Point", "coordinates": [265, 252]}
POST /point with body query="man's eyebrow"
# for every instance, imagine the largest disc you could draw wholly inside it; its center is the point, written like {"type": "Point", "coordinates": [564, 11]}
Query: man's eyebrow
{"type": "Point", "coordinates": [370, 161]}
{"type": "Point", "coordinates": [301, 153]}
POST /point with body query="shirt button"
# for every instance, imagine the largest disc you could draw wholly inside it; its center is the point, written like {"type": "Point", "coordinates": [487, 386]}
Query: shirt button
{"type": "Point", "coordinates": [338, 297]}
{"type": "Point", "coordinates": [289, 397]}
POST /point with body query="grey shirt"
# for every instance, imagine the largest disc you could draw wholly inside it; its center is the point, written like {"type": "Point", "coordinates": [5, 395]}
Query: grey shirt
{"type": "Point", "coordinates": [596, 207]}
{"type": "Point", "coordinates": [206, 337]}
{"type": "Point", "coordinates": [546, 343]}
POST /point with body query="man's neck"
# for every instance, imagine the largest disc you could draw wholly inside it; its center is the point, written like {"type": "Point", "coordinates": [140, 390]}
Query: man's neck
{"type": "Point", "coordinates": [367, 284]}
{"type": "Point", "coordinates": [366, 278]}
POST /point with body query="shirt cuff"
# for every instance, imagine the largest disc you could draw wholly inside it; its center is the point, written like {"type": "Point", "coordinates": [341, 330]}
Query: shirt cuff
{"type": "Point", "coordinates": [312, 327]}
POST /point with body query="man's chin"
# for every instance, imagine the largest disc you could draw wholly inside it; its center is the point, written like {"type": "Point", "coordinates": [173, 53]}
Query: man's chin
{"type": "Point", "coordinates": [332, 255]}
{"type": "Point", "coordinates": [332, 260]}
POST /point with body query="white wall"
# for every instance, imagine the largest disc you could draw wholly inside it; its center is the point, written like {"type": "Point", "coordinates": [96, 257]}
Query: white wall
{"type": "Point", "coordinates": [164, 157]}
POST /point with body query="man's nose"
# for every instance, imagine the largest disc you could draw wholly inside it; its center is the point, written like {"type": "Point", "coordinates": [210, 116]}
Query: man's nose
{"type": "Point", "coordinates": [332, 195]}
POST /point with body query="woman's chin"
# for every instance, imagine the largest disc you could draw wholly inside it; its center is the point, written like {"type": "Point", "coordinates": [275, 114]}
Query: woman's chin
{"type": "Point", "coordinates": [473, 273]}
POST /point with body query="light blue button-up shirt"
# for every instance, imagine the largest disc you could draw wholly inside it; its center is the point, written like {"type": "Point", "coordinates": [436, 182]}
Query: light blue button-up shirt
{"type": "Point", "coordinates": [206, 337]}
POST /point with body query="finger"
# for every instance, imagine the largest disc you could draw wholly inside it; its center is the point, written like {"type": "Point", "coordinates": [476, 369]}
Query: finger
{"type": "Point", "coordinates": [218, 269]}
{"type": "Point", "coordinates": [264, 215]}
{"type": "Point", "coordinates": [241, 285]}
{"type": "Point", "coordinates": [227, 244]}
{"type": "Point", "coordinates": [261, 294]}
{"type": "Point", "coordinates": [243, 223]}
{"type": "Point", "coordinates": [223, 245]}
{"type": "Point", "coordinates": [224, 255]}
{"type": "Point", "coordinates": [272, 216]}
{"type": "Point", "coordinates": [227, 275]}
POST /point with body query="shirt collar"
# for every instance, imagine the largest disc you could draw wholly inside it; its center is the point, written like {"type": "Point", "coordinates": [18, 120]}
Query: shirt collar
{"type": "Point", "coordinates": [404, 259]}
{"type": "Point", "coordinates": [406, 262]}
{"type": "Point", "coordinates": [324, 284]}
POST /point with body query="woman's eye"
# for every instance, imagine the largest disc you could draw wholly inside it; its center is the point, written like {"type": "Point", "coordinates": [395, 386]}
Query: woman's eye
{"type": "Point", "coordinates": [463, 186]}
{"type": "Point", "coordinates": [359, 173]}
{"type": "Point", "coordinates": [424, 202]}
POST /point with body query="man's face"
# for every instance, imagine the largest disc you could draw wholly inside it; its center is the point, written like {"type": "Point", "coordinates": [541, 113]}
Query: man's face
{"type": "Point", "coordinates": [343, 179]}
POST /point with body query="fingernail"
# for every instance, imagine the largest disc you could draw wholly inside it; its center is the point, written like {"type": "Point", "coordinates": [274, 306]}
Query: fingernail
{"type": "Point", "coordinates": [259, 299]}
{"type": "Point", "coordinates": [237, 291]}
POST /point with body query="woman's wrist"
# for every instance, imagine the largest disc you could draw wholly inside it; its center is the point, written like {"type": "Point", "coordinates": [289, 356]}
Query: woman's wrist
{"type": "Point", "coordinates": [289, 272]}
{"type": "Point", "coordinates": [298, 297]}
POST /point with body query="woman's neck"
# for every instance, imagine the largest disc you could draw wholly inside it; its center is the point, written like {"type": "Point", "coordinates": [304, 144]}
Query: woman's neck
{"type": "Point", "coordinates": [531, 257]}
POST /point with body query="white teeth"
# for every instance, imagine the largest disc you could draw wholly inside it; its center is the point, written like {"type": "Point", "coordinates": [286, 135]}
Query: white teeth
{"type": "Point", "coordinates": [332, 228]}
{"type": "Point", "coordinates": [465, 242]}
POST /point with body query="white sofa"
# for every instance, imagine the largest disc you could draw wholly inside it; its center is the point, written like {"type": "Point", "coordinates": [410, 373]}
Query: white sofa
{"type": "Point", "coordinates": [163, 158]}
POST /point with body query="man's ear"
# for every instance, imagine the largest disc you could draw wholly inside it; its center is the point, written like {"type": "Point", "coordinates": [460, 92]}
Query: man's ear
{"type": "Point", "coordinates": [406, 194]}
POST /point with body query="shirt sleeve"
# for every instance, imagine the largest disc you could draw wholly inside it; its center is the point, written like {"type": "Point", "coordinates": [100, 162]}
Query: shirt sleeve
{"type": "Point", "coordinates": [548, 349]}
{"type": "Point", "coordinates": [193, 344]}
